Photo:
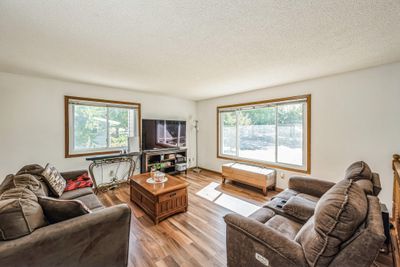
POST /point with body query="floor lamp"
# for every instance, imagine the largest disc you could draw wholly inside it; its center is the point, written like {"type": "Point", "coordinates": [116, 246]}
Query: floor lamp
{"type": "Point", "coordinates": [196, 126]}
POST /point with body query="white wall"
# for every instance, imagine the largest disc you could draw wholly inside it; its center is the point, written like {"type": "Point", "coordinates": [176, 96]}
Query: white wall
{"type": "Point", "coordinates": [32, 118]}
{"type": "Point", "coordinates": [355, 116]}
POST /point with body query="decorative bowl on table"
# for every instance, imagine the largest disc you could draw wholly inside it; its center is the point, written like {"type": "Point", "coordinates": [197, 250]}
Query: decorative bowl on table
{"type": "Point", "coordinates": [157, 178]}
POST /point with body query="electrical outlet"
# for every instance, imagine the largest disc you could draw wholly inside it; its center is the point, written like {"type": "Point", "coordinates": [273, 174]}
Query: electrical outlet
{"type": "Point", "coordinates": [282, 175]}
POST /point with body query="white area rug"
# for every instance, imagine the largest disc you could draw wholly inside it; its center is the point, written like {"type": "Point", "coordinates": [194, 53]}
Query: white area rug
{"type": "Point", "coordinates": [234, 204]}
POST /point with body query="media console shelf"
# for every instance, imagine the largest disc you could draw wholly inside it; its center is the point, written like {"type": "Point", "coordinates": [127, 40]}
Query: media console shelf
{"type": "Point", "coordinates": [171, 161]}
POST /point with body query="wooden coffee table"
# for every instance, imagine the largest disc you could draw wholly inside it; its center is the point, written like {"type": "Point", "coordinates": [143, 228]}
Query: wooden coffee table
{"type": "Point", "coordinates": [162, 200]}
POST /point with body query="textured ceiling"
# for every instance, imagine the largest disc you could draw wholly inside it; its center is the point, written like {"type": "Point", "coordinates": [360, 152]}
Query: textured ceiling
{"type": "Point", "coordinates": [196, 49]}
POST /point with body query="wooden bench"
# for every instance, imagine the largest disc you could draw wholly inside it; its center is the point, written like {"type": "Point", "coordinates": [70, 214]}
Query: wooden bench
{"type": "Point", "coordinates": [256, 176]}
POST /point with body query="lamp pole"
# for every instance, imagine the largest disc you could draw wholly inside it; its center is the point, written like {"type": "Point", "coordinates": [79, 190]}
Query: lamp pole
{"type": "Point", "coordinates": [196, 126]}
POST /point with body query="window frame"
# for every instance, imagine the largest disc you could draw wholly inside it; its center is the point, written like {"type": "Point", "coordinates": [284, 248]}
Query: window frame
{"type": "Point", "coordinates": [71, 154]}
{"type": "Point", "coordinates": [306, 168]}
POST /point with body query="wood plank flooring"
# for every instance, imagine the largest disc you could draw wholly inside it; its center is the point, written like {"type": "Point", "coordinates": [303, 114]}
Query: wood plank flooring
{"type": "Point", "coordinates": [194, 238]}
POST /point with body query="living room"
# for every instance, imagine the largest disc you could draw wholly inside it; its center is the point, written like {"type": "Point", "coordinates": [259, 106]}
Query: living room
{"type": "Point", "coordinates": [228, 133]}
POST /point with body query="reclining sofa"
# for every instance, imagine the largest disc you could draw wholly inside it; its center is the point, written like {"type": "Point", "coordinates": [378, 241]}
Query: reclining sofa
{"type": "Point", "coordinates": [312, 223]}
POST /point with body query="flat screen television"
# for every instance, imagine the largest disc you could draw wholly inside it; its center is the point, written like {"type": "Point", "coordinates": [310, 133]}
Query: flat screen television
{"type": "Point", "coordinates": [161, 134]}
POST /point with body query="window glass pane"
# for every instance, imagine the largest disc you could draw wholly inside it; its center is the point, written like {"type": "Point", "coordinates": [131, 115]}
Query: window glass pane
{"type": "Point", "coordinates": [118, 121]}
{"type": "Point", "coordinates": [228, 134]}
{"type": "Point", "coordinates": [290, 133]}
{"type": "Point", "coordinates": [257, 134]}
{"type": "Point", "coordinates": [90, 127]}
{"type": "Point", "coordinates": [133, 125]}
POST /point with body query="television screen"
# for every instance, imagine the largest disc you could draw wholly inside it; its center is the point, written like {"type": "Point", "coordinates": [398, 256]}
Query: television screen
{"type": "Point", "coordinates": [157, 134]}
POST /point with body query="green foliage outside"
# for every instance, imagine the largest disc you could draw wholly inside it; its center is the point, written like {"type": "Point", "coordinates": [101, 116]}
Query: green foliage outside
{"type": "Point", "coordinates": [91, 127]}
{"type": "Point", "coordinates": [119, 132]}
{"type": "Point", "coordinates": [287, 115]}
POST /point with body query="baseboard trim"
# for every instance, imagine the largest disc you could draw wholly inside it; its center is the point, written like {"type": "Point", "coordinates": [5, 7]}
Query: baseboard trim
{"type": "Point", "coordinates": [216, 172]}
{"type": "Point", "coordinates": [278, 189]}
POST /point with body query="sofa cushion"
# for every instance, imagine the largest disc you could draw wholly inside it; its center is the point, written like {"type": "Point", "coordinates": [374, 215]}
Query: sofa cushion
{"type": "Point", "coordinates": [284, 225]}
{"type": "Point", "coordinates": [54, 180]}
{"type": "Point", "coordinates": [365, 185]}
{"type": "Point", "coordinates": [338, 214]}
{"type": "Point", "coordinates": [7, 183]}
{"type": "Point", "coordinates": [26, 181]}
{"type": "Point", "coordinates": [358, 170]}
{"type": "Point", "coordinates": [31, 169]}
{"type": "Point", "coordinates": [57, 210]}
{"type": "Point", "coordinates": [35, 170]}
{"type": "Point", "coordinates": [77, 193]}
{"type": "Point", "coordinates": [300, 207]}
{"type": "Point", "coordinates": [20, 213]}
{"type": "Point", "coordinates": [91, 201]}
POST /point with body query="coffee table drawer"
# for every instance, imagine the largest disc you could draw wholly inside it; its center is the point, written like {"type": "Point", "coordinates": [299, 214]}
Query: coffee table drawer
{"type": "Point", "coordinates": [173, 194]}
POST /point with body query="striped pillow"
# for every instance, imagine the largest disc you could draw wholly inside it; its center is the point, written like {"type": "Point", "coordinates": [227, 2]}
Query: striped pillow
{"type": "Point", "coordinates": [54, 180]}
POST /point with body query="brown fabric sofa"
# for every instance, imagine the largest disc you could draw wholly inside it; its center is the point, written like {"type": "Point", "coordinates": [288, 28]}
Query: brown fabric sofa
{"type": "Point", "coordinates": [345, 228]}
{"type": "Point", "coordinates": [299, 200]}
{"type": "Point", "coordinates": [100, 238]}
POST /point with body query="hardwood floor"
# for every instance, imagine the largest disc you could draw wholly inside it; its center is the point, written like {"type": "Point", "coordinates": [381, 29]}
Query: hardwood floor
{"type": "Point", "coordinates": [194, 238]}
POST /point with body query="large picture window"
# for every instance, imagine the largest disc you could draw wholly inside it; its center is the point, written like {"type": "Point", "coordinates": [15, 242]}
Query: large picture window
{"type": "Point", "coordinates": [272, 132]}
{"type": "Point", "coordinates": [95, 126]}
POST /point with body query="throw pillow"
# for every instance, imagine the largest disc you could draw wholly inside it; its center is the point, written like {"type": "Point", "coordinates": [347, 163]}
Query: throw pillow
{"type": "Point", "coordinates": [20, 213]}
{"type": "Point", "coordinates": [57, 210]}
{"type": "Point", "coordinates": [54, 180]}
{"type": "Point", "coordinates": [80, 182]}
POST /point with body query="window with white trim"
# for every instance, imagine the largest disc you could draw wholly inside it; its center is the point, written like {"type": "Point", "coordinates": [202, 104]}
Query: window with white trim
{"type": "Point", "coordinates": [100, 126]}
{"type": "Point", "coordinates": [274, 132]}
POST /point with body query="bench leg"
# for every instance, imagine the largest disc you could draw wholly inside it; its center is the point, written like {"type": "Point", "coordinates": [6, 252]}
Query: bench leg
{"type": "Point", "coordinates": [265, 191]}
{"type": "Point", "coordinates": [223, 179]}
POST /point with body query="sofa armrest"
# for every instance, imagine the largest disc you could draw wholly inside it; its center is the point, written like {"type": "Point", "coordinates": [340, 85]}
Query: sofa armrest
{"type": "Point", "coordinates": [100, 238]}
{"type": "Point", "coordinates": [247, 237]}
{"type": "Point", "coordinates": [310, 186]}
{"type": "Point", "coordinates": [72, 174]}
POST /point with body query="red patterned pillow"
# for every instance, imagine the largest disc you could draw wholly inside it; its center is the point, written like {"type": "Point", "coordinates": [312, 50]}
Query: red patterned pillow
{"type": "Point", "coordinates": [80, 182]}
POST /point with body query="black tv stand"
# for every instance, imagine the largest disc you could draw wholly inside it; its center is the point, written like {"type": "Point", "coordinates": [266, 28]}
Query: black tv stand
{"type": "Point", "coordinates": [172, 160]}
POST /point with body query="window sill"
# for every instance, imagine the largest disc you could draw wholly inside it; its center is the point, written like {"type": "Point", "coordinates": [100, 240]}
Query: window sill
{"type": "Point", "coordinates": [68, 155]}
{"type": "Point", "coordinates": [269, 165]}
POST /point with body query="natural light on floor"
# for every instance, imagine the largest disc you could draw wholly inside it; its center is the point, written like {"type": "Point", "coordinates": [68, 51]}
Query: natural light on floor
{"type": "Point", "coordinates": [232, 203]}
